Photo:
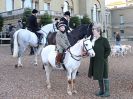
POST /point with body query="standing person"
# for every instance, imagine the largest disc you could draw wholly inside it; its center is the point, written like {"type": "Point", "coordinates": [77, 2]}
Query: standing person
{"type": "Point", "coordinates": [62, 43]}
{"type": "Point", "coordinates": [19, 25]}
{"type": "Point", "coordinates": [33, 27]}
{"type": "Point", "coordinates": [98, 68]}
{"type": "Point", "coordinates": [118, 38]}
{"type": "Point", "coordinates": [11, 31]}
{"type": "Point", "coordinates": [66, 19]}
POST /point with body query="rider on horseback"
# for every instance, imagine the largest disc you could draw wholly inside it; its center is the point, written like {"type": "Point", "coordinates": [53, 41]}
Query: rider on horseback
{"type": "Point", "coordinates": [33, 25]}
{"type": "Point", "coordinates": [62, 43]}
{"type": "Point", "coordinates": [66, 19]}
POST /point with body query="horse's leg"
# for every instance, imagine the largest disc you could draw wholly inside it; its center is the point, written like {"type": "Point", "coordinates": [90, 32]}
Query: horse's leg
{"type": "Point", "coordinates": [35, 61]}
{"type": "Point", "coordinates": [19, 62]}
{"type": "Point", "coordinates": [37, 51]}
{"type": "Point", "coordinates": [73, 81]}
{"type": "Point", "coordinates": [48, 70]}
{"type": "Point", "coordinates": [20, 54]}
{"type": "Point", "coordinates": [11, 42]}
{"type": "Point", "coordinates": [36, 54]}
{"type": "Point", "coordinates": [69, 85]}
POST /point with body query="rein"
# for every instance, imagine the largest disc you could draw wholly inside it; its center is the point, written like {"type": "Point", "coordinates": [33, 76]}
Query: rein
{"type": "Point", "coordinates": [73, 56]}
{"type": "Point", "coordinates": [85, 47]}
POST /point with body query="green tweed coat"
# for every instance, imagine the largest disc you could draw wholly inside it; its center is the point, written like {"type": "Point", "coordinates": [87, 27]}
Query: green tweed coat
{"type": "Point", "coordinates": [98, 68]}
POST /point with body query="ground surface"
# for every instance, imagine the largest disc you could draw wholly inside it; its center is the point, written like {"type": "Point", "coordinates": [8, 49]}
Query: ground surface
{"type": "Point", "coordinates": [29, 82]}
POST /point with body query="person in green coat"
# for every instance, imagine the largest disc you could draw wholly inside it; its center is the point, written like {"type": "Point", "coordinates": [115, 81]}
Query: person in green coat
{"type": "Point", "coordinates": [98, 68]}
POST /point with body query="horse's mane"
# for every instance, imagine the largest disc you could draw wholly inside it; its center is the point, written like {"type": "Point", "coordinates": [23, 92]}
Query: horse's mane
{"type": "Point", "coordinates": [79, 33]}
{"type": "Point", "coordinates": [84, 30]}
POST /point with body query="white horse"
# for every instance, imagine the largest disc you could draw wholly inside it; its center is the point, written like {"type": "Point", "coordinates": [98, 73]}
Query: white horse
{"type": "Point", "coordinates": [24, 38]}
{"type": "Point", "coordinates": [71, 61]}
{"type": "Point", "coordinates": [49, 28]}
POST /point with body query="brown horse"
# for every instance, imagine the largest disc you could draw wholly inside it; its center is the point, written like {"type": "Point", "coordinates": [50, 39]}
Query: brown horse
{"type": "Point", "coordinates": [84, 30]}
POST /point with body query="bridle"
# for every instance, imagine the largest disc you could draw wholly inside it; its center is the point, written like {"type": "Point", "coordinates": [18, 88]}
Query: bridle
{"type": "Point", "coordinates": [84, 47]}
{"type": "Point", "coordinates": [79, 56]}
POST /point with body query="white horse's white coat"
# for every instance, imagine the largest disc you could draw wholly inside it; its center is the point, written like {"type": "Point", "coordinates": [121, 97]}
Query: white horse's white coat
{"type": "Point", "coordinates": [71, 61]}
{"type": "Point", "coordinates": [24, 38]}
{"type": "Point", "coordinates": [49, 28]}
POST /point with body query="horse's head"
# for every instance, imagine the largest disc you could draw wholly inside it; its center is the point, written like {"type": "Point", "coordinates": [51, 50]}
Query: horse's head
{"type": "Point", "coordinates": [85, 30]}
{"type": "Point", "coordinates": [87, 45]}
{"type": "Point", "coordinates": [89, 30]}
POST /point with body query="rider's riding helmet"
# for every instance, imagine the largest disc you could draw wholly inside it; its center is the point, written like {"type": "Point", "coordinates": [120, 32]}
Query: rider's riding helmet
{"type": "Point", "coordinates": [34, 11]}
{"type": "Point", "coordinates": [61, 24]}
{"type": "Point", "coordinates": [67, 13]}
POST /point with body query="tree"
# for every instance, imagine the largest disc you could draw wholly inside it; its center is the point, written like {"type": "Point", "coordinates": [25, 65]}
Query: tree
{"type": "Point", "coordinates": [74, 22]}
{"type": "Point", "coordinates": [45, 19]}
{"type": "Point", "coordinates": [26, 14]}
{"type": "Point", "coordinates": [85, 20]}
{"type": "Point", "coordinates": [1, 23]}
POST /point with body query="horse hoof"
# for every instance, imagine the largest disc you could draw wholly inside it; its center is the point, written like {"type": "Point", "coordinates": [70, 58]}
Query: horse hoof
{"type": "Point", "coordinates": [77, 74]}
{"type": "Point", "coordinates": [20, 66]}
{"type": "Point", "coordinates": [48, 86]}
{"type": "Point", "coordinates": [43, 67]}
{"type": "Point", "coordinates": [74, 91]}
{"type": "Point", "coordinates": [69, 93]}
{"type": "Point", "coordinates": [16, 65]}
{"type": "Point", "coordinates": [35, 64]}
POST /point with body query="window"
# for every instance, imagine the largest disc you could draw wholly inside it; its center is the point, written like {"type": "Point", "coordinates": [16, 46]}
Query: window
{"type": "Point", "coordinates": [27, 4]}
{"type": "Point", "coordinates": [106, 17]}
{"type": "Point", "coordinates": [95, 13]}
{"type": "Point", "coordinates": [66, 4]}
{"type": "Point", "coordinates": [121, 23]}
{"type": "Point", "coordinates": [9, 5]}
{"type": "Point", "coordinates": [121, 19]}
{"type": "Point", "coordinates": [92, 14]}
{"type": "Point", "coordinates": [46, 6]}
{"type": "Point", "coordinates": [99, 16]}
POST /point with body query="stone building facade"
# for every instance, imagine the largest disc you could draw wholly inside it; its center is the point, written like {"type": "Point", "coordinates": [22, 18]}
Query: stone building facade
{"type": "Point", "coordinates": [122, 20]}
{"type": "Point", "coordinates": [95, 9]}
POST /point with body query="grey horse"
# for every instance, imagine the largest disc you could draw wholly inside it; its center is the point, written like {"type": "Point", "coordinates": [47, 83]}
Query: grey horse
{"type": "Point", "coordinates": [24, 38]}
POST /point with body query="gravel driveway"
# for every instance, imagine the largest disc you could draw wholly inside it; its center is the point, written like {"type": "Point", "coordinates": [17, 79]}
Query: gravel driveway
{"type": "Point", "coordinates": [29, 82]}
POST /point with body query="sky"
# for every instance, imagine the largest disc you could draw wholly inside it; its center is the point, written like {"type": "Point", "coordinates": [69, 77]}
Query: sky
{"type": "Point", "coordinates": [110, 1]}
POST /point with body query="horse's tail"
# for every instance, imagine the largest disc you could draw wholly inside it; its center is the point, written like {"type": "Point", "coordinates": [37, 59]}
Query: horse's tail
{"type": "Point", "coordinates": [15, 49]}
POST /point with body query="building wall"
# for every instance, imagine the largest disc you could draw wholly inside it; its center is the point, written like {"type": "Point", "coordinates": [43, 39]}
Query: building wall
{"type": "Point", "coordinates": [56, 6]}
{"type": "Point", "coordinates": [41, 4]}
{"type": "Point", "coordinates": [2, 6]}
{"type": "Point", "coordinates": [82, 7]}
{"type": "Point", "coordinates": [127, 13]}
{"type": "Point", "coordinates": [79, 7]}
{"type": "Point", "coordinates": [17, 4]}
